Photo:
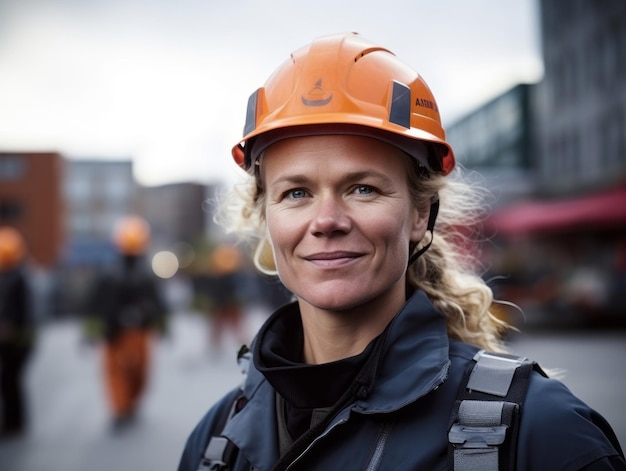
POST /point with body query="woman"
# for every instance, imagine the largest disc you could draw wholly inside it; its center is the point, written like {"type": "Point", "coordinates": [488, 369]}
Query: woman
{"type": "Point", "coordinates": [349, 170]}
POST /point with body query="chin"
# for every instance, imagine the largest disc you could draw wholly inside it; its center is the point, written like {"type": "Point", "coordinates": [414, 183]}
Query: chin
{"type": "Point", "coordinates": [335, 302]}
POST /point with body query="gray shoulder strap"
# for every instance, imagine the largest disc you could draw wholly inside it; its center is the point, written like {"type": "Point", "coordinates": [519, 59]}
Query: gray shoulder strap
{"type": "Point", "coordinates": [486, 410]}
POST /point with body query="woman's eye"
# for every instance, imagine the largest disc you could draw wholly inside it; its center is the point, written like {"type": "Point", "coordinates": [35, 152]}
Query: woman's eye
{"type": "Point", "coordinates": [298, 193]}
{"type": "Point", "coordinates": [364, 190]}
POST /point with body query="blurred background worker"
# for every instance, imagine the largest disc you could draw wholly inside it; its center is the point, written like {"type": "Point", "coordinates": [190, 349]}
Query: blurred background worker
{"type": "Point", "coordinates": [126, 311]}
{"type": "Point", "coordinates": [226, 302]}
{"type": "Point", "coordinates": [17, 331]}
{"type": "Point", "coordinates": [218, 287]}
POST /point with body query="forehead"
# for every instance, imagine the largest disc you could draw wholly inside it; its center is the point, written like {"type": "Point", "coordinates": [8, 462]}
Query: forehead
{"type": "Point", "coordinates": [333, 152]}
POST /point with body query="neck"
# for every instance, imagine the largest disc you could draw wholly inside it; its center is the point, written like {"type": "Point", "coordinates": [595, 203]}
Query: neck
{"type": "Point", "coordinates": [334, 335]}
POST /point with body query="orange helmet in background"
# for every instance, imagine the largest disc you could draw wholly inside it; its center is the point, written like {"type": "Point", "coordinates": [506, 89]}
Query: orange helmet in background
{"type": "Point", "coordinates": [12, 248]}
{"type": "Point", "coordinates": [225, 259]}
{"type": "Point", "coordinates": [345, 84]}
{"type": "Point", "coordinates": [131, 235]}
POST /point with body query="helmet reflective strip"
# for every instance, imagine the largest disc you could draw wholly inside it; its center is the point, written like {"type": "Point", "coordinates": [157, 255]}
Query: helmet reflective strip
{"type": "Point", "coordinates": [400, 107]}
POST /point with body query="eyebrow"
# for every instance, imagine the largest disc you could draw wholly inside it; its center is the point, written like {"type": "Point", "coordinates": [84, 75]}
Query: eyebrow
{"type": "Point", "coordinates": [349, 177]}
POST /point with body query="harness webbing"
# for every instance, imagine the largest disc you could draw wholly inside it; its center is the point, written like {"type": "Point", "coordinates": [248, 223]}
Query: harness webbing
{"type": "Point", "coordinates": [484, 421]}
{"type": "Point", "coordinates": [221, 453]}
{"type": "Point", "coordinates": [483, 428]}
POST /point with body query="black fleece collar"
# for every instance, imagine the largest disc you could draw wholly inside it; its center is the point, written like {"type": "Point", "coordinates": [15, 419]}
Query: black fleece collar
{"type": "Point", "coordinates": [278, 356]}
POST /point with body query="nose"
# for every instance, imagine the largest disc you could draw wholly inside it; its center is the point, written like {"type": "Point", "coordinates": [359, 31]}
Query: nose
{"type": "Point", "coordinates": [330, 216]}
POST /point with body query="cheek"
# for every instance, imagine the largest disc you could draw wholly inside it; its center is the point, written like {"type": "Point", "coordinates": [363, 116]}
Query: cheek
{"type": "Point", "coordinates": [283, 242]}
{"type": "Point", "coordinates": [282, 233]}
{"type": "Point", "coordinates": [401, 223]}
{"type": "Point", "coordinates": [391, 231]}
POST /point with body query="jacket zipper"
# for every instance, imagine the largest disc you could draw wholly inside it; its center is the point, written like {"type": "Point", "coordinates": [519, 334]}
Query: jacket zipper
{"type": "Point", "coordinates": [376, 456]}
{"type": "Point", "coordinates": [380, 447]}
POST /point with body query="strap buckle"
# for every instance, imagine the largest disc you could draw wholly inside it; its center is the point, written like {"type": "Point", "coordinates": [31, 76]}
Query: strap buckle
{"type": "Point", "coordinates": [476, 448]}
{"type": "Point", "coordinates": [209, 465]}
{"type": "Point", "coordinates": [464, 436]}
{"type": "Point", "coordinates": [214, 456]}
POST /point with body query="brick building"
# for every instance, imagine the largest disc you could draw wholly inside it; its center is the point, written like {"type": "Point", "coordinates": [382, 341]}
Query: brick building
{"type": "Point", "coordinates": [31, 201]}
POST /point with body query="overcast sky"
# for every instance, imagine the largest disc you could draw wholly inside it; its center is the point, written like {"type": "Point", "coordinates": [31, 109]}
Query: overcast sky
{"type": "Point", "coordinates": [165, 82]}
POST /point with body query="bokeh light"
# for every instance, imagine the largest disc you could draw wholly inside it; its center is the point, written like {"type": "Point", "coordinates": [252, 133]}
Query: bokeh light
{"type": "Point", "coordinates": [165, 264]}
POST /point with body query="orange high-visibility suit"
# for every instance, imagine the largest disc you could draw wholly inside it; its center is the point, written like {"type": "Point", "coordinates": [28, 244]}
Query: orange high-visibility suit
{"type": "Point", "coordinates": [128, 312]}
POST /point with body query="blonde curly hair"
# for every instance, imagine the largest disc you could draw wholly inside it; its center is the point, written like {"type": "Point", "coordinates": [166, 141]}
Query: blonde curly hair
{"type": "Point", "coordinates": [448, 272]}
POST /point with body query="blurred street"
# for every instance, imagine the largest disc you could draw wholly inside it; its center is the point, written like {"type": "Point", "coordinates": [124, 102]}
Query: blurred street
{"type": "Point", "coordinates": [70, 429]}
{"type": "Point", "coordinates": [69, 424]}
{"type": "Point", "coordinates": [590, 363]}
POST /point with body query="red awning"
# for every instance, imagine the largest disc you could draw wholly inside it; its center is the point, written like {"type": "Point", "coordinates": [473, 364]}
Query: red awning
{"type": "Point", "coordinates": [606, 210]}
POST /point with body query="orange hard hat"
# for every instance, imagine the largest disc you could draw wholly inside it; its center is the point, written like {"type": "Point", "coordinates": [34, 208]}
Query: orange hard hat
{"type": "Point", "coordinates": [131, 235]}
{"type": "Point", "coordinates": [345, 84]}
{"type": "Point", "coordinates": [12, 248]}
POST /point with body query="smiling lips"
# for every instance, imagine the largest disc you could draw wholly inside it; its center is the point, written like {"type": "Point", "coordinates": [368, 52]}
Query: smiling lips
{"type": "Point", "coordinates": [333, 259]}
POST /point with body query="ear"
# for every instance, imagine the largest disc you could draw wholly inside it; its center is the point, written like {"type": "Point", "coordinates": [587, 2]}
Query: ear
{"type": "Point", "coordinates": [419, 224]}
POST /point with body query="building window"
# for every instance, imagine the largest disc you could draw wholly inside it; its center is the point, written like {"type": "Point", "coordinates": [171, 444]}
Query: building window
{"type": "Point", "coordinates": [611, 55]}
{"type": "Point", "coordinates": [12, 167]}
{"type": "Point", "coordinates": [612, 141]}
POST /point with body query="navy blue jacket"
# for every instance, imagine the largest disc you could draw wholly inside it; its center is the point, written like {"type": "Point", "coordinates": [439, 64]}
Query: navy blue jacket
{"type": "Point", "coordinates": [402, 422]}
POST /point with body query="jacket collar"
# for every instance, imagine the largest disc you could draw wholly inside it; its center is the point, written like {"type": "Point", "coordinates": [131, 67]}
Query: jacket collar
{"type": "Point", "coordinates": [412, 362]}
{"type": "Point", "coordinates": [414, 359]}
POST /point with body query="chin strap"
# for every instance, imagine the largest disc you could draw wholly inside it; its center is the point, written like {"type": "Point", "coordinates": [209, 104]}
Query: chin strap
{"type": "Point", "coordinates": [432, 217]}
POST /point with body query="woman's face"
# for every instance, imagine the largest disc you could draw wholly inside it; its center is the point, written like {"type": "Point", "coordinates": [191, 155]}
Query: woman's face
{"type": "Point", "coordinates": [340, 219]}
